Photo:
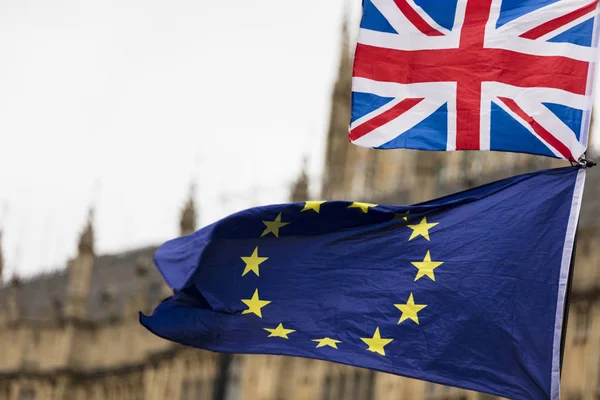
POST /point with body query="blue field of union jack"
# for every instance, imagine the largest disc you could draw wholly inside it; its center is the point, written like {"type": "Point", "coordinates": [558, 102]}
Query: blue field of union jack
{"type": "Point", "coordinates": [502, 75]}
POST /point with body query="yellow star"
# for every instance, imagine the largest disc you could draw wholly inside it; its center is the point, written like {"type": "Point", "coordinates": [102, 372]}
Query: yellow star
{"type": "Point", "coordinates": [253, 262]}
{"type": "Point", "coordinates": [401, 216]}
{"type": "Point", "coordinates": [255, 304]}
{"type": "Point", "coordinates": [376, 343]}
{"type": "Point", "coordinates": [363, 206]}
{"type": "Point", "coordinates": [313, 205]}
{"type": "Point", "coordinates": [426, 267]}
{"type": "Point", "coordinates": [410, 310]}
{"type": "Point", "coordinates": [280, 331]}
{"type": "Point", "coordinates": [327, 342]}
{"type": "Point", "coordinates": [422, 229]}
{"type": "Point", "coordinates": [273, 226]}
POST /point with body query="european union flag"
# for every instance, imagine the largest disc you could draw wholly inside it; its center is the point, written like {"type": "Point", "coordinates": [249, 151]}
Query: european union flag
{"type": "Point", "coordinates": [466, 290]}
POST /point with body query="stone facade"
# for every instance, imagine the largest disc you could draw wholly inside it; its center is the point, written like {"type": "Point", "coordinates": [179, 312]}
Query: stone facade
{"type": "Point", "coordinates": [75, 334]}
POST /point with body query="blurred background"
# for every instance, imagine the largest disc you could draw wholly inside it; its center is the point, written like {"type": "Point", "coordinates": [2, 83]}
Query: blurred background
{"type": "Point", "coordinates": [127, 123]}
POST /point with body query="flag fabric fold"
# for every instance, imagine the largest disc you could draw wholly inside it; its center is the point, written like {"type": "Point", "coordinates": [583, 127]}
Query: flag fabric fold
{"type": "Point", "coordinates": [466, 290]}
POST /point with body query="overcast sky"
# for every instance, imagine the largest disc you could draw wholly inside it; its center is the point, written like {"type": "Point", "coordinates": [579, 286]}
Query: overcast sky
{"type": "Point", "coordinates": [123, 103]}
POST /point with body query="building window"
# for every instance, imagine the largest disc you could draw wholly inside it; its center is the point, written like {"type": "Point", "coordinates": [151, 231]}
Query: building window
{"type": "Point", "coordinates": [342, 387]}
{"type": "Point", "coordinates": [327, 386]}
{"type": "Point", "coordinates": [358, 182]}
{"type": "Point", "coordinates": [582, 323]}
{"type": "Point", "coordinates": [371, 381]}
{"type": "Point", "coordinates": [191, 389]}
{"type": "Point", "coordinates": [434, 390]}
{"type": "Point", "coordinates": [371, 175]}
{"type": "Point", "coordinates": [430, 388]}
{"type": "Point", "coordinates": [154, 289]}
{"type": "Point", "coordinates": [598, 385]}
{"type": "Point", "coordinates": [574, 395]}
{"type": "Point", "coordinates": [356, 393]}
{"type": "Point", "coordinates": [27, 394]}
{"type": "Point", "coordinates": [442, 175]}
{"type": "Point", "coordinates": [306, 379]}
{"type": "Point", "coordinates": [185, 390]}
{"type": "Point", "coordinates": [233, 378]}
{"type": "Point", "coordinates": [198, 387]}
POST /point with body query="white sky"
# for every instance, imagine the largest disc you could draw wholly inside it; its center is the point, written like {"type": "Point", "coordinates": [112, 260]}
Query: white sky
{"type": "Point", "coordinates": [125, 102]}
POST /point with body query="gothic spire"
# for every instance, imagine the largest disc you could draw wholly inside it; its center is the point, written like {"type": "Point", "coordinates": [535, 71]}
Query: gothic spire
{"type": "Point", "coordinates": [187, 223]}
{"type": "Point", "coordinates": [337, 135]}
{"type": "Point", "coordinates": [13, 297]}
{"type": "Point", "coordinates": [345, 22]}
{"type": "Point", "coordinates": [300, 187]}
{"type": "Point", "coordinates": [1, 259]}
{"type": "Point", "coordinates": [344, 78]}
{"type": "Point", "coordinates": [80, 273]}
{"type": "Point", "coordinates": [86, 239]}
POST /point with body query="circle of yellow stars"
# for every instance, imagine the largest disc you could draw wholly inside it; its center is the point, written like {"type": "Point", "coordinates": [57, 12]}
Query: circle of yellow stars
{"type": "Point", "coordinates": [408, 310]}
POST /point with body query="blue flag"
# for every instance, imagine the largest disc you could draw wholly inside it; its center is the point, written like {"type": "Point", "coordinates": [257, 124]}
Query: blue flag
{"type": "Point", "coordinates": [466, 290]}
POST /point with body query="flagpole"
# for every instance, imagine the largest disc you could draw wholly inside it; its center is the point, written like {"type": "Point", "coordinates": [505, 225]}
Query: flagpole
{"type": "Point", "coordinates": [585, 163]}
{"type": "Point", "coordinates": [567, 304]}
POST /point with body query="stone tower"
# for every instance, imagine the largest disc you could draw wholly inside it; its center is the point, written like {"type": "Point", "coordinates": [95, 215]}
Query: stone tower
{"type": "Point", "coordinates": [142, 270]}
{"type": "Point", "coordinates": [300, 188]}
{"type": "Point", "coordinates": [187, 224]}
{"type": "Point", "coordinates": [13, 309]}
{"type": "Point", "coordinates": [593, 138]}
{"type": "Point", "coordinates": [352, 172]}
{"type": "Point", "coordinates": [1, 260]}
{"type": "Point", "coordinates": [80, 273]}
{"type": "Point", "coordinates": [337, 134]}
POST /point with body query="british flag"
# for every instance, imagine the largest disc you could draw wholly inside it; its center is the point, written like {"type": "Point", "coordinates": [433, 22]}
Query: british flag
{"type": "Point", "coordinates": [503, 75]}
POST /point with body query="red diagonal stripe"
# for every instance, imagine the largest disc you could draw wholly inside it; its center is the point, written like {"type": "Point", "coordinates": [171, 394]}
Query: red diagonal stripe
{"type": "Point", "coordinates": [537, 128]}
{"type": "Point", "coordinates": [556, 23]}
{"type": "Point", "coordinates": [416, 19]}
{"type": "Point", "coordinates": [384, 118]}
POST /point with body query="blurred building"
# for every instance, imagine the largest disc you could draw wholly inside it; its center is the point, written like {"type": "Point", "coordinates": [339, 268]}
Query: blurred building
{"type": "Point", "coordinates": [75, 334]}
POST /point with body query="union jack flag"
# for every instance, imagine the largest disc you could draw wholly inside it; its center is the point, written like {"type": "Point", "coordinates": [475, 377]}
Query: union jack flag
{"type": "Point", "coordinates": [503, 75]}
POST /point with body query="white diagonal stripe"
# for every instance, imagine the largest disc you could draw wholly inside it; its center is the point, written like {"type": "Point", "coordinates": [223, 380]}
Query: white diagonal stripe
{"type": "Point", "coordinates": [427, 18]}
{"type": "Point", "coordinates": [553, 124]}
{"type": "Point", "coordinates": [528, 127]}
{"type": "Point", "coordinates": [568, 26]}
{"type": "Point", "coordinates": [530, 101]}
{"type": "Point", "coordinates": [395, 17]}
{"type": "Point", "coordinates": [400, 125]}
{"type": "Point", "coordinates": [435, 94]}
{"type": "Point", "coordinates": [540, 16]}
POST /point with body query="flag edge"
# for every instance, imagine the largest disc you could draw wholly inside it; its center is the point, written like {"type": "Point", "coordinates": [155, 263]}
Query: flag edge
{"type": "Point", "coordinates": [565, 269]}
